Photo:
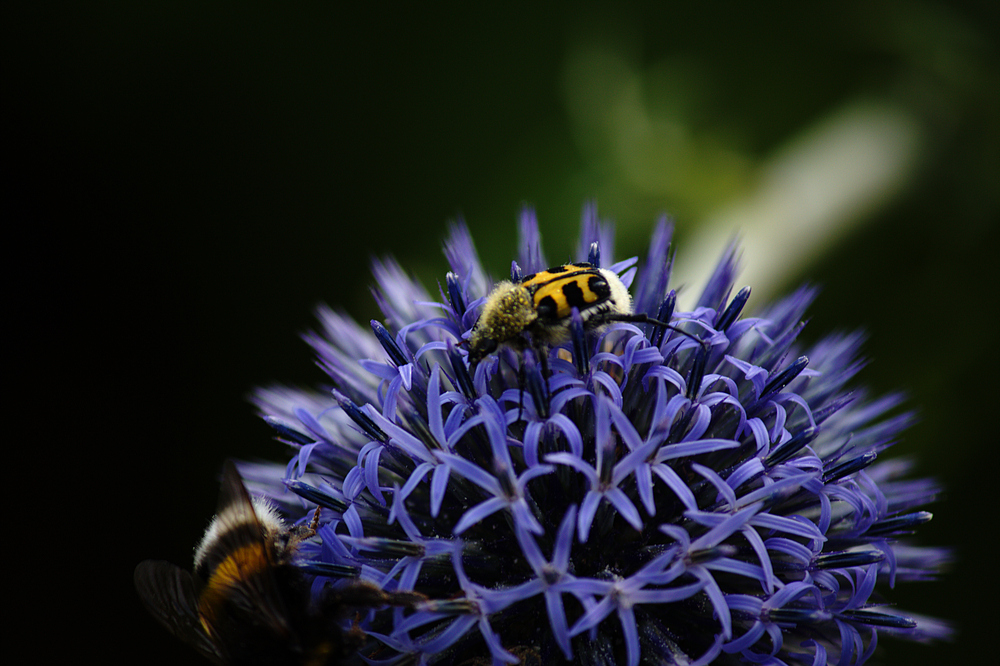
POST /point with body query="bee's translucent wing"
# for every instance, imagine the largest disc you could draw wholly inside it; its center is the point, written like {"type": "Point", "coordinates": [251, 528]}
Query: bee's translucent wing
{"type": "Point", "coordinates": [168, 592]}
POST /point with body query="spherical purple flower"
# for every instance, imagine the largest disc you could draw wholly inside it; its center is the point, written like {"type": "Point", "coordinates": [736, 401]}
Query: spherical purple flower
{"type": "Point", "coordinates": [705, 493]}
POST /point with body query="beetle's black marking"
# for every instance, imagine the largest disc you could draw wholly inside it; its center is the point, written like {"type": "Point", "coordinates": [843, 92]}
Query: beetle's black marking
{"type": "Point", "coordinates": [548, 309]}
{"type": "Point", "coordinates": [574, 295]}
{"type": "Point", "coordinates": [557, 269]}
{"type": "Point", "coordinates": [600, 287]}
{"type": "Point", "coordinates": [528, 278]}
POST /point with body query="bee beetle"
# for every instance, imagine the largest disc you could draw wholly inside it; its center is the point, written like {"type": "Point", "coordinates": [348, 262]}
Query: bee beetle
{"type": "Point", "coordinates": [541, 304]}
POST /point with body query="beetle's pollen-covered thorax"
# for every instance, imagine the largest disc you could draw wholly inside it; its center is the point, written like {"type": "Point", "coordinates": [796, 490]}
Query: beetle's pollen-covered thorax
{"type": "Point", "coordinates": [508, 311]}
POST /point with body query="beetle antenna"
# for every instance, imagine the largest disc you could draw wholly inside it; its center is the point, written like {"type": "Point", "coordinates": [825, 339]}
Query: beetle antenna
{"type": "Point", "coordinates": [646, 319]}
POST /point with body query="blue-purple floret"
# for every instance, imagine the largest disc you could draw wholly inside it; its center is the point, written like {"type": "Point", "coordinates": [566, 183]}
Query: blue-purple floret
{"type": "Point", "coordinates": [656, 499]}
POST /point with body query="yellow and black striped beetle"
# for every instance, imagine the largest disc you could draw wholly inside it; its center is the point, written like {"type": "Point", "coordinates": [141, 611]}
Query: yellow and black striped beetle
{"type": "Point", "coordinates": [540, 305]}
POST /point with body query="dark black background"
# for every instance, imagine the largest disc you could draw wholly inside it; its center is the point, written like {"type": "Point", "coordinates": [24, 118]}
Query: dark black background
{"type": "Point", "coordinates": [186, 182]}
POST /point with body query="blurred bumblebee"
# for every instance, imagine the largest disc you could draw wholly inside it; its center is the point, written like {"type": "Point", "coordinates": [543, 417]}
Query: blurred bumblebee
{"type": "Point", "coordinates": [247, 602]}
{"type": "Point", "coordinates": [541, 305]}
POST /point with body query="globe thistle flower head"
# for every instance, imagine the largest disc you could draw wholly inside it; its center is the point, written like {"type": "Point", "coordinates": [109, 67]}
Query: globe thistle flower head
{"type": "Point", "coordinates": [705, 493]}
